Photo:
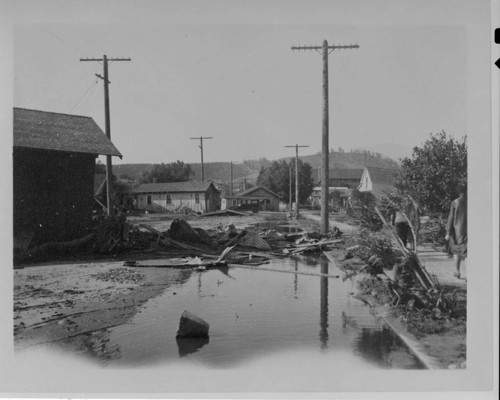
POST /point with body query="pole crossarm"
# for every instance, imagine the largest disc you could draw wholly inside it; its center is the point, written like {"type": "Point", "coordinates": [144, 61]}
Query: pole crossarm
{"type": "Point", "coordinates": [334, 47]}
{"type": "Point", "coordinates": [109, 59]}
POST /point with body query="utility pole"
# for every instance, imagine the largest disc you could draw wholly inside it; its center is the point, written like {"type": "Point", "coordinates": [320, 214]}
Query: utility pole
{"type": "Point", "coordinates": [201, 147]}
{"type": "Point", "coordinates": [290, 189]}
{"type": "Point", "coordinates": [231, 188]}
{"type": "Point", "coordinates": [109, 166]}
{"type": "Point", "coordinates": [325, 50]}
{"type": "Point", "coordinates": [297, 178]}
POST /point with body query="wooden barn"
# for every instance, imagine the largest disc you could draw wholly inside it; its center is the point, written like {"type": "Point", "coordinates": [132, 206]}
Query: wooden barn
{"type": "Point", "coordinates": [53, 163]}
{"type": "Point", "coordinates": [171, 196]}
{"type": "Point", "coordinates": [378, 181]}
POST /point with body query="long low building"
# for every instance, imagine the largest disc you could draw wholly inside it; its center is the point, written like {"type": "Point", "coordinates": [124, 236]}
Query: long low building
{"type": "Point", "coordinates": [171, 196]}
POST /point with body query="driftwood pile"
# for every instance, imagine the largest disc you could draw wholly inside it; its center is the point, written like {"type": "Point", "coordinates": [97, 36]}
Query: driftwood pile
{"type": "Point", "coordinates": [117, 236]}
{"type": "Point", "coordinates": [410, 286]}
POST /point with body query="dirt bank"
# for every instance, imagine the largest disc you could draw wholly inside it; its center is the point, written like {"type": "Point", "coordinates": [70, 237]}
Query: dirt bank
{"type": "Point", "coordinates": [73, 305]}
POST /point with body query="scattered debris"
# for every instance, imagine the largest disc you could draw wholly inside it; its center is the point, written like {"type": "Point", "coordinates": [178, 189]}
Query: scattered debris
{"type": "Point", "coordinates": [226, 212]}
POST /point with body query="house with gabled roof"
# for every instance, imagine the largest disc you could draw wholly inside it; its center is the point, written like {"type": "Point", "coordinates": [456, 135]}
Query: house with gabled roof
{"type": "Point", "coordinates": [342, 177]}
{"type": "Point", "coordinates": [257, 198]}
{"type": "Point", "coordinates": [53, 164]}
{"type": "Point", "coordinates": [378, 181]}
{"type": "Point", "coordinates": [171, 196]}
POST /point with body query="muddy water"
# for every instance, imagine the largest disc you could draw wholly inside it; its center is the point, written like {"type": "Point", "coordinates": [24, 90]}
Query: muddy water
{"type": "Point", "coordinates": [255, 313]}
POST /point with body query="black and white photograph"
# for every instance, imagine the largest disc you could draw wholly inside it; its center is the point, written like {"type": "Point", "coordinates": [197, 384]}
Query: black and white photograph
{"type": "Point", "coordinates": [259, 199]}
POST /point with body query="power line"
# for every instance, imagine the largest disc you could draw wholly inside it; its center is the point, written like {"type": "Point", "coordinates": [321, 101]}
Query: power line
{"type": "Point", "coordinates": [92, 85]}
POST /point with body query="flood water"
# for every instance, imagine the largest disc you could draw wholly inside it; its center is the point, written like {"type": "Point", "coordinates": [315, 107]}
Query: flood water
{"type": "Point", "coordinates": [255, 313]}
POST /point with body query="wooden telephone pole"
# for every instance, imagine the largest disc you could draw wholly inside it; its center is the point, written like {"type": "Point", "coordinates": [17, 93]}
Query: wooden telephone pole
{"type": "Point", "coordinates": [201, 147]}
{"type": "Point", "coordinates": [297, 178]}
{"type": "Point", "coordinates": [109, 167]}
{"type": "Point", "coordinates": [325, 50]}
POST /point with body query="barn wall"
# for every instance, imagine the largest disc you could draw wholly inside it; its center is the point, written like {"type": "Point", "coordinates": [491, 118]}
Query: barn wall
{"type": "Point", "coordinates": [53, 193]}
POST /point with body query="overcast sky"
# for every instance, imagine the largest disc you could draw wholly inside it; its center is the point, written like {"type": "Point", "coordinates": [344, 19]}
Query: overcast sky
{"type": "Point", "coordinates": [228, 74]}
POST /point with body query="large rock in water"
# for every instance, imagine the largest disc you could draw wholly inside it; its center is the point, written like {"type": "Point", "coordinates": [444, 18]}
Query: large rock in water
{"type": "Point", "coordinates": [191, 326]}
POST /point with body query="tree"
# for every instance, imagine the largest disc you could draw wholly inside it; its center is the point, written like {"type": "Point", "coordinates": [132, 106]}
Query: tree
{"type": "Point", "coordinates": [100, 168]}
{"type": "Point", "coordinates": [276, 178]}
{"type": "Point", "coordinates": [435, 172]}
{"type": "Point", "coordinates": [172, 172]}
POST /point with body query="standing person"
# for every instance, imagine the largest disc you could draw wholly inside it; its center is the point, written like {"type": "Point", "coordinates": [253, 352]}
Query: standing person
{"type": "Point", "coordinates": [401, 219]}
{"type": "Point", "coordinates": [402, 226]}
{"type": "Point", "coordinates": [456, 229]}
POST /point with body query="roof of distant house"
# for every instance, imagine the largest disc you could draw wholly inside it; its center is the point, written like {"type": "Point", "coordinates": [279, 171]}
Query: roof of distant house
{"type": "Point", "coordinates": [382, 175]}
{"type": "Point", "coordinates": [61, 132]}
{"type": "Point", "coordinates": [345, 173]}
{"type": "Point", "coordinates": [253, 189]}
{"type": "Point", "coordinates": [173, 187]}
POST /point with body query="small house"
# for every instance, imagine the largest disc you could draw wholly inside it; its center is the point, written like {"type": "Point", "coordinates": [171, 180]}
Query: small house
{"type": "Point", "coordinates": [53, 169]}
{"type": "Point", "coordinates": [257, 198]}
{"type": "Point", "coordinates": [171, 196]}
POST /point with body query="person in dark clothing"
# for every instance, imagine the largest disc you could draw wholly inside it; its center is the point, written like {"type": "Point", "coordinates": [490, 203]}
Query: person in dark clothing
{"type": "Point", "coordinates": [456, 229]}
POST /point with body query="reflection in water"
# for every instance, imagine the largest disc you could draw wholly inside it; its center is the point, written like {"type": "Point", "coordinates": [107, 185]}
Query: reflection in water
{"type": "Point", "coordinates": [187, 346]}
{"type": "Point", "coordinates": [309, 260]}
{"type": "Point", "coordinates": [250, 312]}
{"type": "Point", "coordinates": [323, 323]}
{"type": "Point", "coordinates": [296, 278]}
{"type": "Point", "coordinates": [379, 346]}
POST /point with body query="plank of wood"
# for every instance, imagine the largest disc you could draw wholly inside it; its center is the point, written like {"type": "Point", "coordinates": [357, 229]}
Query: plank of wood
{"type": "Point", "coordinates": [284, 271]}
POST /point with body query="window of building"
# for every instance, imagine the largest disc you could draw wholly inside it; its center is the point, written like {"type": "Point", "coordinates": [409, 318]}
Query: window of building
{"type": "Point", "coordinates": [234, 202]}
{"type": "Point", "coordinates": [149, 199]}
{"type": "Point", "coordinates": [197, 198]}
{"type": "Point", "coordinates": [169, 199]}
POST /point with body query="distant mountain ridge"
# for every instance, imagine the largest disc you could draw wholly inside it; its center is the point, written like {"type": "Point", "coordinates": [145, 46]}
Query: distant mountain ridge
{"type": "Point", "coordinates": [249, 170]}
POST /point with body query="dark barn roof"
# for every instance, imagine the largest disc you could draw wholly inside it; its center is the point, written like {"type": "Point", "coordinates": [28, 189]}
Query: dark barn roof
{"type": "Point", "coordinates": [345, 173]}
{"type": "Point", "coordinates": [173, 187]}
{"type": "Point", "coordinates": [61, 132]}
{"type": "Point", "coordinates": [382, 175]}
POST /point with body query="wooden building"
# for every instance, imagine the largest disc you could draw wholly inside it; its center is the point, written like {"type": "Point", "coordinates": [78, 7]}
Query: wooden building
{"type": "Point", "coordinates": [170, 196]}
{"type": "Point", "coordinates": [342, 177]}
{"type": "Point", "coordinates": [378, 181]}
{"type": "Point", "coordinates": [54, 163]}
{"type": "Point", "coordinates": [257, 198]}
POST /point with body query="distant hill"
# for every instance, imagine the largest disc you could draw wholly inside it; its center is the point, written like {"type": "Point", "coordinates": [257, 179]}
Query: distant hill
{"type": "Point", "coordinates": [353, 159]}
{"type": "Point", "coordinates": [249, 170]}
{"type": "Point", "coordinates": [219, 171]}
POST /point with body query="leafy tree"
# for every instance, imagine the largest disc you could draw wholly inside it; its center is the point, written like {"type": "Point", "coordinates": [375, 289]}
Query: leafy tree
{"type": "Point", "coordinates": [276, 177]}
{"type": "Point", "coordinates": [435, 172]}
{"type": "Point", "coordinates": [172, 172]}
{"type": "Point", "coordinates": [100, 168]}
{"type": "Point", "coordinates": [363, 199]}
